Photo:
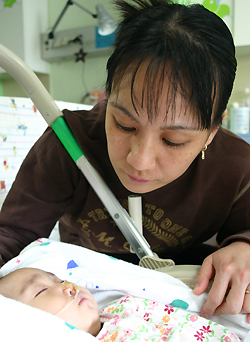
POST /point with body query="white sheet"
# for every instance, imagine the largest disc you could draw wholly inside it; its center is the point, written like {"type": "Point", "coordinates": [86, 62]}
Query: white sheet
{"type": "Point", "coordinates": [106, 278]}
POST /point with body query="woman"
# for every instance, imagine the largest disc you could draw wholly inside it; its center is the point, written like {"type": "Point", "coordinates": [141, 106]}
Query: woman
{"type": "Point", "coordinates": [158, 134]}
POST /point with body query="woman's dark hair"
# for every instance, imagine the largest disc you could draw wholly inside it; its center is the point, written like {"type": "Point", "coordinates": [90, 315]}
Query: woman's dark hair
{"type": "Point", "coordinates": [189, 46]}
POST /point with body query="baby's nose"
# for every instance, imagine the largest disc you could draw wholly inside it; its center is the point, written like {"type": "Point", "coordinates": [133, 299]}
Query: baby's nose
{"type": "Point", "coordinates": [70, 288]}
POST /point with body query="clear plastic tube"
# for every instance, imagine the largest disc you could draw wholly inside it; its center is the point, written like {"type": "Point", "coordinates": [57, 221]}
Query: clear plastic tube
{"type": "Point", "coordinates": [65, 285]}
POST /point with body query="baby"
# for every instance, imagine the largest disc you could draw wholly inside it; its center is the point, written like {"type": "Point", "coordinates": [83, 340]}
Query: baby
{"type": "Point", "coordinates": [43, 290]}
{"type": "Point", "coordinates": [129, 316]}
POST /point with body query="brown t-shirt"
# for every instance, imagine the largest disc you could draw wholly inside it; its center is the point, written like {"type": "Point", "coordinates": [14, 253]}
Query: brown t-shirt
{"type": "Point", "coordinates": [211, 196]}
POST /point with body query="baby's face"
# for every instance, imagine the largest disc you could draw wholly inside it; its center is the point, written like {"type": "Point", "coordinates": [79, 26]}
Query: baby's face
{"type": "Point", "coordinates": [45, 291]}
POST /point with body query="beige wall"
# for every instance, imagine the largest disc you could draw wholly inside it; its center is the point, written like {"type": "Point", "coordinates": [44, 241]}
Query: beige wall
{"type": "Point", "coordinates": [242, 79]}
{"type": "Point", "coordinates": [70, 81]}
{"type": "Point", "coordinates": [11, 88]}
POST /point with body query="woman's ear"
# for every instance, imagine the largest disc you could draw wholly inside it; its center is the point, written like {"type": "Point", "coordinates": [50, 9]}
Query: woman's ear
{"type": "Point", "coordinates": [224, 114]}
{"type": "Point", "coordinates": [214, 130]}
{"type": "Point", "coordinates": [212, 135]}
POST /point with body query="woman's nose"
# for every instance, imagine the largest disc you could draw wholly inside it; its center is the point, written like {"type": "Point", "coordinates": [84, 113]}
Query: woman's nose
{"type": "Point", "coordinates": [142, 155]}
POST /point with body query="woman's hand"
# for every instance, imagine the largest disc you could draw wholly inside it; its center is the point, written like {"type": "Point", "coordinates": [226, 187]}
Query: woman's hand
{"type": "Point", "coordinates": [230, 267]}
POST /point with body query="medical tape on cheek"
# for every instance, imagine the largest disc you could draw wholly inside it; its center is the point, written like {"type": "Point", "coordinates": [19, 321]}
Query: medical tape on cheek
{"type": "Point", "coordinates": [65, 285]}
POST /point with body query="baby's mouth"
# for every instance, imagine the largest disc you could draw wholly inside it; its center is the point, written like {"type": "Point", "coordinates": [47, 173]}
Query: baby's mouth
{"type": "Point", "coordinates": [82, 299]}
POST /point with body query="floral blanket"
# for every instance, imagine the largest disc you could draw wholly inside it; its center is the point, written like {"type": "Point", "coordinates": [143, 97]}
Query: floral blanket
{"type": "Point", "coordinates": [137, 319]}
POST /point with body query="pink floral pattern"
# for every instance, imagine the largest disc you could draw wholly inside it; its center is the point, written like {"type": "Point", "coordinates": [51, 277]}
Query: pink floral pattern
{"type": "Point", "coordinates": [169, 309]}
{"type": "Point", "coordinates": [193, 318]}
{"type": "Point", "coordinates": [136, 319]}
{"type": "Point", "coordinates": [199, 336]}
{"type": "Point", "coordinates": [206, 329]}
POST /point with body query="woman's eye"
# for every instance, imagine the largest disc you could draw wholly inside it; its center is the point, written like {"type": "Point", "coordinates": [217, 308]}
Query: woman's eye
{"type": "Point", "coordinates": [172, 144]}
{"type": "Point", "coordinates": [39, 292]}
{"type": "Point", "coordinates": [124, 128]}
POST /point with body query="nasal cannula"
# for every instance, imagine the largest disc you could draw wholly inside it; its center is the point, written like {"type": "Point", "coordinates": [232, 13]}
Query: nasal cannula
{"type": "Point", "coordinates": [65, 285]}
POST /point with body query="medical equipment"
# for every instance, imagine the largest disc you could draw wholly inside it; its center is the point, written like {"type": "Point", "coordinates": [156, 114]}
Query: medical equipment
{"type": "Point", "coordinates": [54, 117]}
{"type": "Point", "coordinates": [75, 289]}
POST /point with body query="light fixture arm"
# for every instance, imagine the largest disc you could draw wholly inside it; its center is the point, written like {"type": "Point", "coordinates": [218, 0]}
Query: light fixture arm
{"type": "Point", "coordinates": [69, 3]}
{"type": "Point", "coordinates": [84, 9]}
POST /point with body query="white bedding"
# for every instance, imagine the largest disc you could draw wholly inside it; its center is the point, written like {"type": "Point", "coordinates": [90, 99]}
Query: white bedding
{"type": "Point", "coordinates": [106, 278]}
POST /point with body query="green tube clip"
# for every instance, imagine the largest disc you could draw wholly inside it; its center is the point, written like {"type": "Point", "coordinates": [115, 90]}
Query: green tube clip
{"type": "Point", "coordinates": [67, 138]}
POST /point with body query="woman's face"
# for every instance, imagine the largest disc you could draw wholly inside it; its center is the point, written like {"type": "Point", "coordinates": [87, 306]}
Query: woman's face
{"type": "Point", "coordinates": [45, 291]}
{"type": "Point", "coordinates": [148, 154]}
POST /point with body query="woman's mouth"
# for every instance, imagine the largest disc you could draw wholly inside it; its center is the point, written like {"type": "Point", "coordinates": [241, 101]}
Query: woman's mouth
{"type": "Point", "coordinates": [138, 181]}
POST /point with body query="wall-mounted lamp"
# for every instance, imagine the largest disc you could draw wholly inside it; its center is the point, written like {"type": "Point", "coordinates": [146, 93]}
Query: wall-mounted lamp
{"type": "Point", "coordinates": [65, 44]}
{"type": "Point", "coordinates": [106, 24]}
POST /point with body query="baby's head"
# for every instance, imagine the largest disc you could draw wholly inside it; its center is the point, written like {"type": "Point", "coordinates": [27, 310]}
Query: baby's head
{"type": "Point", "coordinates": [43, 290]}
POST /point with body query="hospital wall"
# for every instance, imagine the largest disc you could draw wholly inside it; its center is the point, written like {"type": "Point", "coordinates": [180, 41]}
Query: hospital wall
{"type": "Point", "coordinates": [70, 80]}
